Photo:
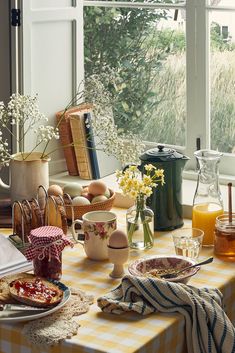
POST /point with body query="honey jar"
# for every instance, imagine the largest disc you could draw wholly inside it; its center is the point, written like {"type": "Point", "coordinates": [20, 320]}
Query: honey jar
{"type": "Point", "coordinates": [45, 250]}
{"type": "Point", "coordinates": [224, 244]}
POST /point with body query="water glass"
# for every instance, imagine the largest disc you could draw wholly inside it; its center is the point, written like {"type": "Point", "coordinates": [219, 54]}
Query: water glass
{"type": "Point", "coordinates": [188, 242]}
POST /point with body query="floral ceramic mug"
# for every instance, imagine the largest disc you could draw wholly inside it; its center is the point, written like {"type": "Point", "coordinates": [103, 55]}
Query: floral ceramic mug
{"type": "Point", "coordinates": [97, 227]}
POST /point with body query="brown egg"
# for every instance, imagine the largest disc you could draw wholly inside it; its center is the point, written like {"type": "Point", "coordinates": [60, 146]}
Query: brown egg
{"type": "Point", "coordinates": [55, 190]}
{"type": "Point", "coordinates": [97, 187]}
{"type": "Point", "coordinates": [118, 239]}
{"type": "Point", "coordinates": [99, 198]}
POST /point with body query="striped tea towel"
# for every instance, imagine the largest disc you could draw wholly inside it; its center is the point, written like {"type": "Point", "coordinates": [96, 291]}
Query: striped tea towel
{"type": "Point", "coordinates": [208, 329]}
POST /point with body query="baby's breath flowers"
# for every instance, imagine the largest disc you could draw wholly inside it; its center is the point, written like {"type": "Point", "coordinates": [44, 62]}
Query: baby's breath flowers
{"type": "Point", "coordinates": [126, 147]}
{"type": "Point", "coordinates": [23, 111]}
{"type": "Point", "coordinates": [139, 185]}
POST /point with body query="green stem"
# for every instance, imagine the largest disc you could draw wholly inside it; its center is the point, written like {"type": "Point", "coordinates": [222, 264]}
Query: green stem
{"type": "Point", "coordinates": [148, 235]}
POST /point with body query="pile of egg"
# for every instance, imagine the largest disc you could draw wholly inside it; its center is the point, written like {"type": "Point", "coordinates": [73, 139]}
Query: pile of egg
{"type": "Point", "coordinates": [97, 191]}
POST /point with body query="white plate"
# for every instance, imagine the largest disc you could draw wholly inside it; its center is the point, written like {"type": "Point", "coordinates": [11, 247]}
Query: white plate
{"type": "Point", "coordinates": [11, 316]}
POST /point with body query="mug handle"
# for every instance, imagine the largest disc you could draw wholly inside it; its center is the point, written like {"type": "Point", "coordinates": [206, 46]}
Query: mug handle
{"type": "Point", "coordinates": [74, 234]}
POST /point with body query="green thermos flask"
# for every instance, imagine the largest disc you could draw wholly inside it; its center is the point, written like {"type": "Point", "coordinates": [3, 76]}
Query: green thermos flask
{"type": "Point", "coordinates": [166, 200]}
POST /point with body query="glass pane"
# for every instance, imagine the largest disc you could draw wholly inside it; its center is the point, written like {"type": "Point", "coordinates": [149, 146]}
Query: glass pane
{"type": "Point", "coordinates": [142, 55]}
{"type": "Point", "coordinates": [222, 71]}
{"type": "Point", "coordinates": [181, 2]}
{"type": "Point", "coordinates": [223, 3]}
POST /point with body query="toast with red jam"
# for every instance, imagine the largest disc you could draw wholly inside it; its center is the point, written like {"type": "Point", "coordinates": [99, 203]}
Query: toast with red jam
{"type": "Point", "coordinates": [35, 291]}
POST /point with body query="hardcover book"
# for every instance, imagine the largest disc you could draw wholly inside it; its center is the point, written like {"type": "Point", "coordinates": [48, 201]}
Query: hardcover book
{"type": "Point", "coordinates": [79, 134]}
{"type": "Point", "coordinates": [91, 147]}
{"type": "Point", "coordinates": [66, 137]}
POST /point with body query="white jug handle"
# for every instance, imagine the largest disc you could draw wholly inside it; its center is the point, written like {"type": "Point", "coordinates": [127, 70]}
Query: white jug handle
{"type": "Point", "coordinates": [74, 234]}
{"type": "Point", "coordinates": [3, 185]}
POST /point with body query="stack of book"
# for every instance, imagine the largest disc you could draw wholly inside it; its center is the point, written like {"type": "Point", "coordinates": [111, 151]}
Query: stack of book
{"type": "Point", "coordinates": [77, 140]}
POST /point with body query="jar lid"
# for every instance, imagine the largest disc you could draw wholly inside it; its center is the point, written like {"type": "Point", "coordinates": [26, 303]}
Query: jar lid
{"type": "Point", "coordinates": [161, 154]}
{"type": "Point", "coordinates": [46, 241]}
{"type": "Point", "coordinates": [46, 233]}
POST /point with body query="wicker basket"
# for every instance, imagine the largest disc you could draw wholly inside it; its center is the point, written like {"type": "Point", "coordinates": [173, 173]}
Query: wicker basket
{"type": "Point", "coordinates": [79, 211]}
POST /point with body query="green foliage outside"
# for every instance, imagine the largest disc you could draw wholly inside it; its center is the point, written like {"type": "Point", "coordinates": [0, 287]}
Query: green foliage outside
{"type": "Point", "coordinates": [149, 82]}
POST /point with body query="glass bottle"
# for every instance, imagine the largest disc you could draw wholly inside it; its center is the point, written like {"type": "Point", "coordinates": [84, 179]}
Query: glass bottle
{"type": "Point", "coordinates": [207, 202]}
{"type": "Point", "coordinates": [140, 229]}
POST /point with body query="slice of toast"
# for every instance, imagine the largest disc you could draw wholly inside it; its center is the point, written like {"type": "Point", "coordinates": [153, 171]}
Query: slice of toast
{"type": "Point", "coordinates": [5, 296]}
{"type": "Point", "coordinates": [35, 291]}
{"type": "Point", "coordinates": [55, 213]}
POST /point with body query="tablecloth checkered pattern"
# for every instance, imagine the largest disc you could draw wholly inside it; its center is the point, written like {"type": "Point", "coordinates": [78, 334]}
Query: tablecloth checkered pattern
{"type": "Point", "coordinates": [128, 333]}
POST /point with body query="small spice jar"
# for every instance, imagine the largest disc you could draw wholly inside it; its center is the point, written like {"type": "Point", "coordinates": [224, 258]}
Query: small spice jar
{"type": "Point", "coordinates": [224, 244]}
{"type": "Point", "coordinates": [45, 249]}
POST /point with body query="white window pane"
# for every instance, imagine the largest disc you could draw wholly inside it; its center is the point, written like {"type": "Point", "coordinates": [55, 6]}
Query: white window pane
{"type": "Point", "coordinates": [146, 50]}
{"type": "Point", "coordinates": [222, 67]}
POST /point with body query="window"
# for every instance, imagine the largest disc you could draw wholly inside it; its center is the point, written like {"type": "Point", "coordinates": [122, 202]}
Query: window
{"type": "Point", "coordinates": [173, 70]}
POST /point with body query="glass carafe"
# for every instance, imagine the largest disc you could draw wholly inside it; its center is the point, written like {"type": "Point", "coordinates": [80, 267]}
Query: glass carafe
{"type": "Point", "coordinates": [207, 202]}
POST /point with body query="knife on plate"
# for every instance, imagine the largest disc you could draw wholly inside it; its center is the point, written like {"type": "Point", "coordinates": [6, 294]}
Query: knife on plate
{"type": "Point", "coordinates": [19, 307]}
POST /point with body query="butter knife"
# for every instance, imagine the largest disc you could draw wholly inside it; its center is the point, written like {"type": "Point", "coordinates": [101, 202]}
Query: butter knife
{"type": "Point", "coordinates": [19, 307]}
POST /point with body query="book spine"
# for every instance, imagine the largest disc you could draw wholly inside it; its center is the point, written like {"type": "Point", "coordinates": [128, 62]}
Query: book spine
{"type": "Point", "coordinates": [80, 145]}
{"type": "Point", "coordinates": [91, 146]}
{"type": "Point", "coordinates": [67, 139]}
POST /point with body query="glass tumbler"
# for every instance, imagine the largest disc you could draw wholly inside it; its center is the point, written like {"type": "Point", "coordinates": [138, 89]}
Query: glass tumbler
{"type": "Point", "coordinates": [188, 242]}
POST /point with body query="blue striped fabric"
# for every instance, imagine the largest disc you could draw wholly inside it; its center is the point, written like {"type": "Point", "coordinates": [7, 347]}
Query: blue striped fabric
{"type": "Point", "coordinates": [208, 329]}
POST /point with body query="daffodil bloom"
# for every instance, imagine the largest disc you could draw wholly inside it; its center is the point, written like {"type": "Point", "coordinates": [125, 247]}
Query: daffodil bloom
{"type": "Point", "coordinates": [139, 186]}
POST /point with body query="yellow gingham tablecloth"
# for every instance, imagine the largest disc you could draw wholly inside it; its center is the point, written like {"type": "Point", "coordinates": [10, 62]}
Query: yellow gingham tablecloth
{"type": "Point", "coordinates": [128, 333]}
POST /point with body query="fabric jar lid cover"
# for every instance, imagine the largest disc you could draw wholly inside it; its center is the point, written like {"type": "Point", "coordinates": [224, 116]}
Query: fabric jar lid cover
{"type": "Point", "coordinates": [46, 241]}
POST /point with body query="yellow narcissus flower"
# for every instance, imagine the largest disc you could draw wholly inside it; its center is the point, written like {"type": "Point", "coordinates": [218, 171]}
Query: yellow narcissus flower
{"type": "Point", "coordinates": [134, 184]}
{"type": "Point", "coordinates": [149, 167]}
{"type": "Point", "coordinates": [147, 180]}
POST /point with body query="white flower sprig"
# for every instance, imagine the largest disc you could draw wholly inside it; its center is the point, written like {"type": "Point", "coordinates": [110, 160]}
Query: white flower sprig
{"type": "Point", "coordinates": [4, 154]}
{"type": "Point", "coordinates": [23, 111]}
{"type": "Point", "coordinates": [125, 147]}
{"type": "Point", "coordinates": [133, 183]}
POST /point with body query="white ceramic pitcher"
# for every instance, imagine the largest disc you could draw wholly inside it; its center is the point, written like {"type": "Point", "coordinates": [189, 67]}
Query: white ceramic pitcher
{"type": "Point", "coordinates": [26, 175]}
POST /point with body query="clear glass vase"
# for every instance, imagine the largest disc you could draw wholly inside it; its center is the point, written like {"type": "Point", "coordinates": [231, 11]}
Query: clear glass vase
{"type": "Point", "coordinates": [140, 230]}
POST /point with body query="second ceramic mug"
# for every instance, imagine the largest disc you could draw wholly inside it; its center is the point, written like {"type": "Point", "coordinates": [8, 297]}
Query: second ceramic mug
{"type": "Point", "coordinates": [97, 227]}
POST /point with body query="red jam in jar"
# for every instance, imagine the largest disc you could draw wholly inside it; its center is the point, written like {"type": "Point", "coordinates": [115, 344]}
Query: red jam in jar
{"type": "Point", "coordinates": [46, 246]}
{"type": "Point", "coordinates": [48, 268]}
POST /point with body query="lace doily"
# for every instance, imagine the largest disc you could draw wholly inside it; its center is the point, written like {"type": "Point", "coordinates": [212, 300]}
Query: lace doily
{"type": "Point", "coordinates": [52, 329]}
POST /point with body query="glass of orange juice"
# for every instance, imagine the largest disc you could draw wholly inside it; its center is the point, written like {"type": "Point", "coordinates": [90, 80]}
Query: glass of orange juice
{"type": "Point", "coordinates": [203, 217]}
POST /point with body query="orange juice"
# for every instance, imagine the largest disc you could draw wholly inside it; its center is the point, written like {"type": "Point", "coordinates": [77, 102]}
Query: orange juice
{"type": "Point", "coordinates": [204, 215]}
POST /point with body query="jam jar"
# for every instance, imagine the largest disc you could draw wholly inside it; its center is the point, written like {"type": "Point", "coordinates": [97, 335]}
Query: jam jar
{"type": "Point", "coordinates": [224, 244]}
{"type": "Point", "coordinates": [45, 250]}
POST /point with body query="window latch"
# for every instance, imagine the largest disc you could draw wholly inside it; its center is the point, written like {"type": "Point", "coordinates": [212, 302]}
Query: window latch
{"type": "Point", "coordinates": [15, 17]}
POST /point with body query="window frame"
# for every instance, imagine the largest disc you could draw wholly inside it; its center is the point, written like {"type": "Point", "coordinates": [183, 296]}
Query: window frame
{"type": "Point", "coordinates": [197, 74]}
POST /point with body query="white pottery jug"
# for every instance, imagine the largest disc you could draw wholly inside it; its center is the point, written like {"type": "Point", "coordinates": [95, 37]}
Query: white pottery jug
{"type": "Point", "coordinates": [26, 175]}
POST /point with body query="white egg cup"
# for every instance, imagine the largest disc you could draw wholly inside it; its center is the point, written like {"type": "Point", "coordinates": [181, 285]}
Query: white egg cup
{"type": "Point", "coordinates": [118, 257]}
